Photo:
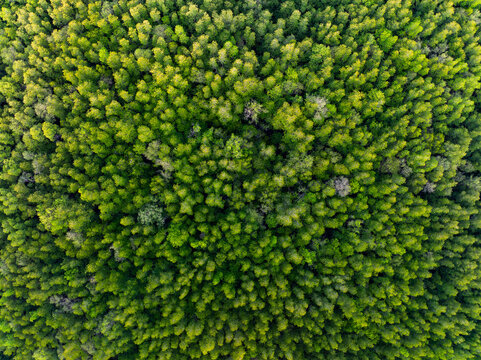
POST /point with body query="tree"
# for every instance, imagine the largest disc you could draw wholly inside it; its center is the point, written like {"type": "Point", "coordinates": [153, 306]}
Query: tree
{"type": "Point", "coordinates": [239, 180]}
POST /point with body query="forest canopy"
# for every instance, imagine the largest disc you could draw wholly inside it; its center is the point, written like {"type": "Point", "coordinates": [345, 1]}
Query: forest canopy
{"type": "Point", "coordinates": [240, 180]}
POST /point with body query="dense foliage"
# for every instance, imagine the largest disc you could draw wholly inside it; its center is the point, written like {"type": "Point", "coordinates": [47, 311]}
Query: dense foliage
{"type": "Point", "coordinates": [258, 179]}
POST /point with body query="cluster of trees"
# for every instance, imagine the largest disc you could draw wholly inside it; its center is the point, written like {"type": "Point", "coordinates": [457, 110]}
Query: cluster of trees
{"type": "Point", "coordinates": [259, 179]}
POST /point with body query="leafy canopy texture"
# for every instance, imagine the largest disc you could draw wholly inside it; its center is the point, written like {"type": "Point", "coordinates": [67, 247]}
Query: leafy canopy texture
{"type": "Point", "coordinates": [240, 180]}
